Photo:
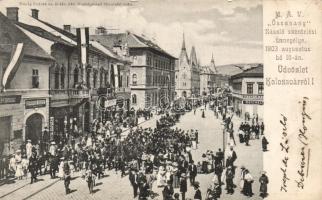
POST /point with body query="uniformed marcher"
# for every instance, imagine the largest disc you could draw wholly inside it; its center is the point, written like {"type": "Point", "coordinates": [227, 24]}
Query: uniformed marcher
{"type": "Point", "coordinates": [33, 165]}
{"type": "Point", "coordinates": [67, 177]}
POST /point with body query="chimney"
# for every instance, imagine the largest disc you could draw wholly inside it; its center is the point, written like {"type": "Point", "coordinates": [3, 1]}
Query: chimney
{"type": "Point", "coordinates": [34, 13]}
{"type": "Point", "coordinates": [12, 13]}
{"type": "Point", "coordinates": [67, 27]}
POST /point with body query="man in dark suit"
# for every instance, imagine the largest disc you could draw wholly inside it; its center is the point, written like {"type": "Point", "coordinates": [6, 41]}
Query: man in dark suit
{"type": "Point", "coordinates": [134, 181]}
{"type": "Point", "coordinates": [197, 195]}
{"type": "Point", "coordinates": [193, 172]}
{"type": "Point", "coordinates": [33, 163]}
{"type": "Point", "coordinates": [168, 191]}
{"type": "Point", "coordinates": [183, 186]}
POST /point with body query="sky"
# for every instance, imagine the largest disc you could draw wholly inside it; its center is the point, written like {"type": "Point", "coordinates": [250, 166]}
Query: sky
{"type": "Point", "coordinates": [231, 30]}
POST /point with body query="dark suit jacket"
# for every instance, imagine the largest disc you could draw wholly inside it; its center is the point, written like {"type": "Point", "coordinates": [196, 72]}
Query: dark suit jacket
{"type": "Point", "coordinates": [193, 170]}
{"type": "Point", "coordinates": [167, 193]}
{"type": "Point", "coordinates": [197, 195]}
{"type": "Point", "coordinates": [183, 185]}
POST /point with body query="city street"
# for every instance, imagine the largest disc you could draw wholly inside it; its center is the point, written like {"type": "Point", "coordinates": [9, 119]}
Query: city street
{"type": "Point", "coordinates": [112, 186]}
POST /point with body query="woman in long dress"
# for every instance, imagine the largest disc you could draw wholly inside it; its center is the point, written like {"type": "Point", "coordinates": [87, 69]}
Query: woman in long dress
{"type": "Point", "coordinates": [161, 178]}
{"type": "Point", "coordinates": [61, 169]}
{"type": "Point", "coordinates": [19, 170]}
{"type": "Point", "coordinates": [248, 184]}
{"type": "Point", "coordinates": [25, 164]}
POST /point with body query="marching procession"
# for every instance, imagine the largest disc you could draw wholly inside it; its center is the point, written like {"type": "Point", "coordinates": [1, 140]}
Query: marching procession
{"type": "Point", "coordinates": [157, 157]}
{"type": "Point", "coordinates": [100, 109]}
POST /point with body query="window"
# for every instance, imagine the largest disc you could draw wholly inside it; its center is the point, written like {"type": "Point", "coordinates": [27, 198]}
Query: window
{"type": "Point", "coordinates": [249, 88]}
{"type": "Point", "coordinates": [62, 77]}
{"type": "Point", "coordinates": [121, 81]}
{"type": "Point", "coordinates": [260, 88]}
{"type": "Point", "coordinates": [134, 99]}
{"type": "Point", "coordinates": [184, 76]}
{"type": "Point", "coordinates": [35, 78]}
{"type": "Point", "coordinates": [95, 79]}
{"type": "Point", "coordinates": [127, 81]}
{"type": "Point", "coordinates": [88, 78]}
{"type": "Point", "coordinates": [134, 79]}
{"type": "Point", "coordinates": [106, 79]}
{"type": "Point", "coordinates": [56, 77]}
{"type": "Point", "coordinates": [76, 72]}
{"type": "Point", "coordinates": [101, 77]}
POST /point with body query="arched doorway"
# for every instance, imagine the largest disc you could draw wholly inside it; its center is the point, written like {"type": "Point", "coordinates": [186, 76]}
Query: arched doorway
{"type": "Point", "coordinates": [34, 127]}
{"type": "Point", "coordinates": [184, 94]}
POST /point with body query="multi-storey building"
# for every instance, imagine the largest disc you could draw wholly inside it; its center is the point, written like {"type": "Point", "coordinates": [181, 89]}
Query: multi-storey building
{"type": "Point", "coordinates": [187, 73]}
{"type": "Point", "coordinates": [73, 87]}
{"type": "Point", "coordinates": [248, 91]}
{"type": "Point", "coordinates": [152, 69]}
{"type": "Point", "coordinates": [208, 79]}
{"type": "Point", "coordinates": [24, 76]}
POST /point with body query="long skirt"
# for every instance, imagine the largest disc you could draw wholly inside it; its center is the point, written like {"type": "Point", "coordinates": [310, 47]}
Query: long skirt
{"type": "Point", "coordinates": [194, 145]}
{"type": "Point", "coordinates": [176, 182]}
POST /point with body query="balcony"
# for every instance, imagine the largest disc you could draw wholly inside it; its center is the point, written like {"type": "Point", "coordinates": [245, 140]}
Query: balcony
{"type": "Point", "coordinates": [79, 93]}
{"type": "Point", "coordinates": [58, 92]}
{"type": "Point", "coordinates": [258, 97]}
{"type": "Point", "coordinates": [122, 90]}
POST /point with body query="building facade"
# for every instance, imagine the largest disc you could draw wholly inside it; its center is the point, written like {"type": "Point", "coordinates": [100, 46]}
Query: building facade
{"type": "Point", "coordinates": [24, 98]}
{"type": "Point", "coordinates": [187, 73]}
{"type": "Point", "coordinates": [248, 91]}
{"type": "Point", "coordinates": [208, 76]}
{"type": "Point", "coordinates": [152, 69]}
{"type": "Point", "coordinates": [72, 89]}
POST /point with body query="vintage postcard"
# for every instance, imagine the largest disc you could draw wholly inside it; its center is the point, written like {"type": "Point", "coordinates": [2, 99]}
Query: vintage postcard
{"type": "Point", "coordinates": [160, 99]}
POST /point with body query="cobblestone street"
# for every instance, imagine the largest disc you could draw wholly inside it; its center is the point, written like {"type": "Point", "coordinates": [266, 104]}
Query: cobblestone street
{"type": "Point", "coordinates": [112, 186]}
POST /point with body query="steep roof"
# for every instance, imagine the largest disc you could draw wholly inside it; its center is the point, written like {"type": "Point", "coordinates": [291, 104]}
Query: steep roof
{"type": "Point", "coordinates": [43, 33]}
{"type": "Point", "coordinates": [132, 40]}
{"type": "Point", "coordinates": [183, 53]}
{"type": "Point", "coordinates": [12, 33]}
{"type": "Point", "coordinates": [193, 56]}
{"type": "Point", "coordinates": [257, 71]}
{"type": "Point", "coordinates": [206, 70]}
{"type": "Point", "coordinates": [61, 36]}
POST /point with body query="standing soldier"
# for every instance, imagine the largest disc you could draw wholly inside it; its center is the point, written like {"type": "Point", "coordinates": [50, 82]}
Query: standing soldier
{"type": "Point", "coordinates": [33, 167]}
{"type": "Point", "coordinates": [183, 186]}
{"type": "Point", "coordinates": [67, 176]}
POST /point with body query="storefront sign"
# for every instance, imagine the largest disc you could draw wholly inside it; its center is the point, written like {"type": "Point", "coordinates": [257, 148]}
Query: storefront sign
{"type": "Point", "coordinates": [110, 102]}
{"type": "Point", "coordinates": [35, 103]}
{"type": "Point", "coordinates": [12, 99]}
{"type": "Point", "coordinates": [254, 102]}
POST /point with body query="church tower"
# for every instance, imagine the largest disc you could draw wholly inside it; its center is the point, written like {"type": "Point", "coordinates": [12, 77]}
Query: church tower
{"type": "Point", "coordinates": [212, 64]}
{"type": "Point", "coordinates": [193, 57]}
{"type": "Point", "coordinates": [183, 58]}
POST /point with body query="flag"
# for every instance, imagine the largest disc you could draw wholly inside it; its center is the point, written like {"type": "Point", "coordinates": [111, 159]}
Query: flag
{"type": "Point", "coordinates": [116, 74]}
{"type": "Point", "coordinates": [13, 66]}
{"type": "Point", "coordinates": [83, 45]}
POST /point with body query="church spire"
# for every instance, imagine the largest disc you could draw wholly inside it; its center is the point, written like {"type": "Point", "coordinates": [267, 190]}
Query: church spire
{"type": "Point", "coordinates": [183, 42]}
{"type": "Point", "coordinates": [212, 58]}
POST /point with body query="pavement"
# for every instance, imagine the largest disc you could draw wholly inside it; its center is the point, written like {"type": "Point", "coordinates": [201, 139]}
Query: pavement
{"type": "Point", "coordinates": [113, 187]}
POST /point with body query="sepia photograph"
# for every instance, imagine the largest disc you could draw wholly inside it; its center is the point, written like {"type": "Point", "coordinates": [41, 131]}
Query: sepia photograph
{"type": "Point", "coordinates": [132, 99]}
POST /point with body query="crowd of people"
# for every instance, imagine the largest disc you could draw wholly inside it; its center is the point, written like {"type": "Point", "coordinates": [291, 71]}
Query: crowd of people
{"type": "Point", "coordinates": [159, 157]}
